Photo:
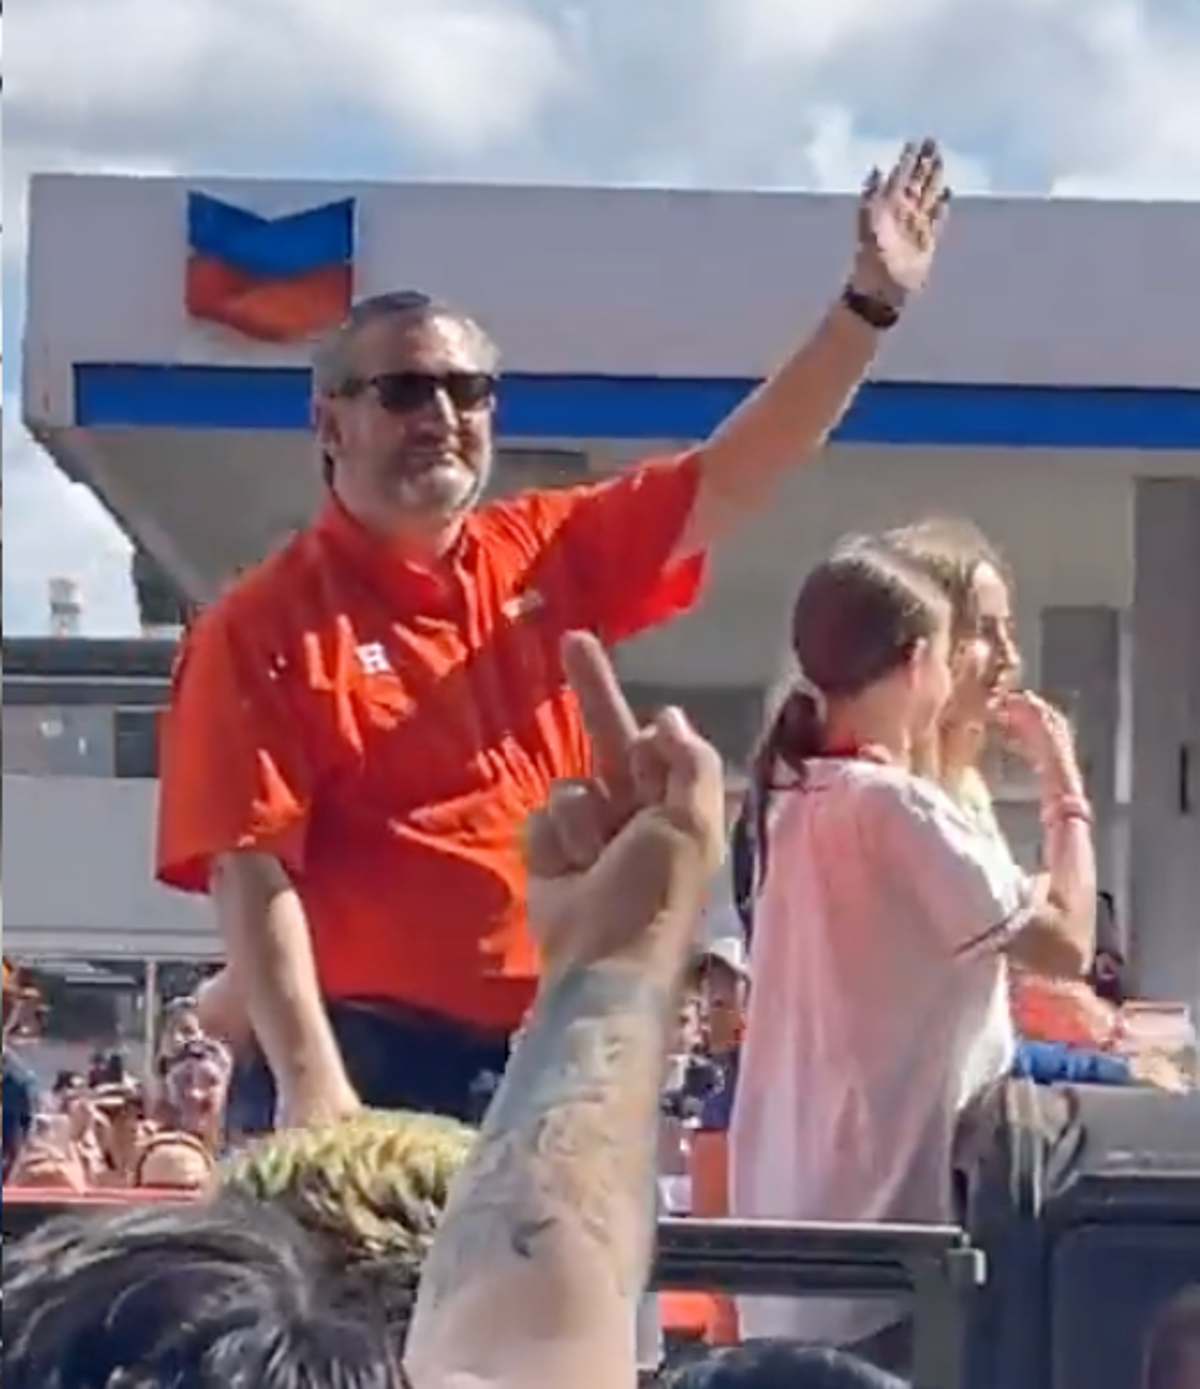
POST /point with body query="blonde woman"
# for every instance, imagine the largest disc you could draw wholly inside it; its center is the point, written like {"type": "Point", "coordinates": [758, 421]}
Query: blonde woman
{"type": "Point", "coordinates": [987, 698]}
{"type": "Point", "coordinates": [1050, 1008]}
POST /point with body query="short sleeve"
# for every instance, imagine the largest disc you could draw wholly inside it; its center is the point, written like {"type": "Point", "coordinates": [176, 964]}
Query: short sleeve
{"type": "Point", "coordinates": [617, 543]}
{"type": "Point", "coordinates": [235, 769]}
{"type": "Point", "coordinates": [964, 881]}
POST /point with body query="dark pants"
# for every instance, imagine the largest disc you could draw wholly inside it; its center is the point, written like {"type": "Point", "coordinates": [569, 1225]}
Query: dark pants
{"type": "Point", "coordinates": [396, 1059]}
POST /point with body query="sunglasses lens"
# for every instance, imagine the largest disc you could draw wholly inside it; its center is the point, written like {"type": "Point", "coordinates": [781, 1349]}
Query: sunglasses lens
{"type": "Point", "coordinates": [404, 391]}
{"type": "Point", "coordinates": [468, 390]}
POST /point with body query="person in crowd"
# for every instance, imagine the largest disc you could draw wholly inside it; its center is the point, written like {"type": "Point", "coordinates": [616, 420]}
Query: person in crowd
{"type": "Point", "coordinates": [356, 724]}
{"type": "Point", "coordinates": [181, 1024]}
{"type": "Point", "coordinates": [539, 1267]}
{"type": "Point", "coordinates": [690, 1073]}
{"type": "Point", "coordinates": [207, 1294]}
{"type": "Point", "coordinates": [20, 1103]}
{"type": "Point", "coordinates": [109, 1068]}
{"type": "Point", "coordinates": [723, 979]}
{"type": "Point", "coordinates": [85, 1127]}
{"type": "Point", "coordinates": [195, 1086]}
{"type": "Point", "coordinates": [67, 1088]}
{"type": "Point", "coordinates": [1173, 1347]}
{"type": "Point", "coordinates": [50, 1161]}
{"type": "Point", "coordinates": [124, 1126]}
{"type": "Point", "coordinates": [20, 1088]}
{"type": "Point", "coordinates": [371, 1190]}
{"type": "Point", "coordinates": [775, 1364]}
{"type": "Point", "coordinates": [879, 1004]}
{"type": "Point", "coordinates": [1109, 974]}
{"type": "Point", "coordinates": [174, 1161]}
{"type": "Point", "coordinates": [93, 1145]}
{"type": "Point", "coordinates": [1067, 1031]}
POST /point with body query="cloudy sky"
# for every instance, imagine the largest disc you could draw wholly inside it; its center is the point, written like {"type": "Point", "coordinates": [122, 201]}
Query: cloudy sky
{"type": "Point", "coordinates": [1031, 96]}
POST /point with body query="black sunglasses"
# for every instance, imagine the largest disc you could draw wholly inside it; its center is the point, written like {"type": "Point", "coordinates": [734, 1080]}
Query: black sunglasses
{"type": "Point", "coordinates": [401, 392]}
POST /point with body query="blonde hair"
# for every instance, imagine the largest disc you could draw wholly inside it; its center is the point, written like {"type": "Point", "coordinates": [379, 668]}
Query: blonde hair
{"type": "Point", "coordinates": [373, 1190]}
{"type": "Point", "coordinates": [164, 1142]}
{"type": "Point", "coordinates": [950, 549]}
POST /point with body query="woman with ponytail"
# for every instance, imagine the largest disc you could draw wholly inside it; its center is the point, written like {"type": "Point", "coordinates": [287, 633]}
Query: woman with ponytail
{"type": "Point", "coordinates": [884, 915]}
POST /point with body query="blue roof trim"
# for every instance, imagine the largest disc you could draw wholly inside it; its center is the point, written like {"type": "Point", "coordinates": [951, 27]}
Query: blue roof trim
{"type": "Point", "coordinates": [646, 408]}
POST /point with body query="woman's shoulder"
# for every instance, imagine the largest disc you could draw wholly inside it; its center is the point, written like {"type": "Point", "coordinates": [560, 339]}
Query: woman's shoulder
{"type": "Point", "coordinates": [884, 794]}
{"type": "Point", "coordinates": [874, 790]}
{"type": "Point", "coordinates": [874, 780]}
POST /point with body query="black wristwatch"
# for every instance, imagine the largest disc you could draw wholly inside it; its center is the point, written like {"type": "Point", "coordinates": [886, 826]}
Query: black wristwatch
{"type": "Point", "coordinates": [873, 312]}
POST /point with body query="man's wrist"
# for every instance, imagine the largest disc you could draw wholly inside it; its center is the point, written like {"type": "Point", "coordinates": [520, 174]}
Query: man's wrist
{"type": "Point", "coordinates": [313, 1074]}
{"type": "Point", "coordinates": [870, 308]}
{"type": "Point", "coordinates": [868, 281]}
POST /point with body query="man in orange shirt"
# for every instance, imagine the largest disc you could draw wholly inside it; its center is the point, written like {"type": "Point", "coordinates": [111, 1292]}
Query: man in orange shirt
{"type": "Point", "coordinates": [360, 725]}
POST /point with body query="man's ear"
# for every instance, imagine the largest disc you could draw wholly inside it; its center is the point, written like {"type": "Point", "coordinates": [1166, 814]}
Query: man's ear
{"type": "Point", "coordinates": [918, 654]}
{"type": "Point", "coordinates": [325, 424]}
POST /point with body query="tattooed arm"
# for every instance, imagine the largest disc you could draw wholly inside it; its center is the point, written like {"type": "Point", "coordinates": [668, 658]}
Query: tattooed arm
{"type": "Point", "coordinates": [542, 1256]}
{"type": "Point", "coordinates": [544, 1249]}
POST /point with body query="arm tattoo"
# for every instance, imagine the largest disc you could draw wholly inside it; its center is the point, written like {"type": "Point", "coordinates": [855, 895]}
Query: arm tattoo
{"type": "Point", "coordinates": [568, 1148]}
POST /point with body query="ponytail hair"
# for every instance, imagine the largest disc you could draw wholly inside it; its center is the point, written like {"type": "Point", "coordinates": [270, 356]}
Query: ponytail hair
{"type": "Point", "coordinates": [858, 616]}
{"type": "Point", "coordinates": [793, 736]}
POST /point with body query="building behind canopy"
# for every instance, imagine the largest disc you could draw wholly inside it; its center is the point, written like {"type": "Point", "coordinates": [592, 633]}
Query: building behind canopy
{"type": "Point", "coordinates": [1047, 386]}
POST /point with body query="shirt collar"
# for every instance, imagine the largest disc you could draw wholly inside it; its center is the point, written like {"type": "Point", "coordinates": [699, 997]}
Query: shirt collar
{"type": "Point", "coordinates": [386, 567]}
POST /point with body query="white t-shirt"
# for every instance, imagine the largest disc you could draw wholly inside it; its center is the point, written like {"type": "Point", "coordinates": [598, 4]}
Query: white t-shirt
{"type": "Point", "coordinates": [879, 1009]}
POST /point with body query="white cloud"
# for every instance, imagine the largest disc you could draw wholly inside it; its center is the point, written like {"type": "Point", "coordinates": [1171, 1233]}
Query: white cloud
{"type": "Point", "coordinates": [1032, 96]}
{"type": "Point", "coordinates": [233, 79]}
{"type": "Point", "coordinates": [1146, 144]}
{"type": "Point", "coordinates": [1030, 92]}
{"type": "Point", "coordinates": [262, 87]}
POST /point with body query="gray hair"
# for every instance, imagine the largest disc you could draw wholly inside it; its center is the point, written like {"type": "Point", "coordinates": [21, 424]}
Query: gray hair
{"type": "Point", "coordinates": [333, 369]}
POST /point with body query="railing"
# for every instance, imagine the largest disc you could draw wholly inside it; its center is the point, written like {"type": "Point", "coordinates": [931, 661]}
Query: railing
{"type": "Point", "coordinates": [934, 1266]}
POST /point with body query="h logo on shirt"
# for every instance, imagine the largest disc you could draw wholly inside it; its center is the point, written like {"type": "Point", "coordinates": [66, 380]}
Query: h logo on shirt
{"type": "Point", "coordinates": [523, 604]}
{"type": "Point", "coordinates": [374, 659]}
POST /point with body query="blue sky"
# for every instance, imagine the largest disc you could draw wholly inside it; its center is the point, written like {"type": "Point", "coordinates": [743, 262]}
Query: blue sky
{"type": "Point", "coordinates": [1045, 97]}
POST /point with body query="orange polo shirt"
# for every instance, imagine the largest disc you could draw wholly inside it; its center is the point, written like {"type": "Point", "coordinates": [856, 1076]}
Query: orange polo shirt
{"type": "Point", "coordinates": [384, 729]}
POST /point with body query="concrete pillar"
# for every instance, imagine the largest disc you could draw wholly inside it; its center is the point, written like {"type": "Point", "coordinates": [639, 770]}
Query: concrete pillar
{"type": "Point", "coordinates": [1165, 809]}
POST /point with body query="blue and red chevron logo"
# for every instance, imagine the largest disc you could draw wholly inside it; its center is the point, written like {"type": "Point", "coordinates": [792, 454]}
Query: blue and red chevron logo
{"type": "Point", "coordinates": [272, 279]}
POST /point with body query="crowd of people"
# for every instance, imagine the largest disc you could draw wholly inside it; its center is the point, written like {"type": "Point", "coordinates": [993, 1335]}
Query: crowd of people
{"type": "Point", "coordinates": [109, 1129]}
{"type": "Point", "coordinates": [468, 911]}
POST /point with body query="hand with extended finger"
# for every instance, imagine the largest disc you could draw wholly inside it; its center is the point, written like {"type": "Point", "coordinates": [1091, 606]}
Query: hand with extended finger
{"type": "Point", "coordinates": [632, 845]}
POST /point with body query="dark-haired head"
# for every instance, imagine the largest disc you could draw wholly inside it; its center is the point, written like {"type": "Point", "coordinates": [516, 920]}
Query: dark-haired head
{"type": "Point", "coordinates": [870, 633]}
{"type": "Point", "coordinates": [210, 1295]}
{"type": "Point", "coordinates": [780, 1365]}
{"type": "Point", "coordinates": [403, 396]}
